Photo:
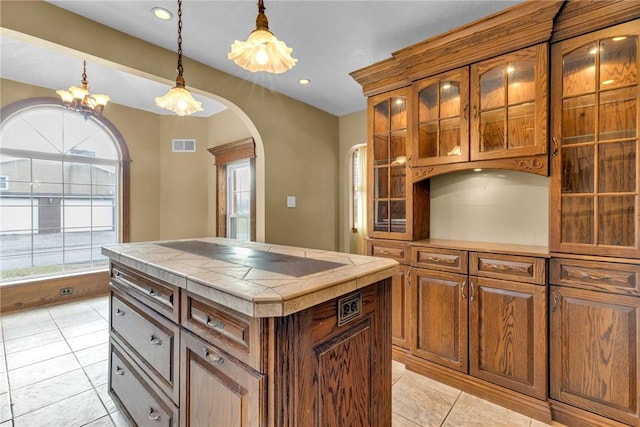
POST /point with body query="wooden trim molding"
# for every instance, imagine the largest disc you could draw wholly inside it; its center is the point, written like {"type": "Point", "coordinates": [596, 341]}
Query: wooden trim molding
{"type": "Point", "coordinates": [225, 154]}
{"type": "Point", "coordinates": [515, 28]}
{"type": "Point", "coordinates": [581, 17]}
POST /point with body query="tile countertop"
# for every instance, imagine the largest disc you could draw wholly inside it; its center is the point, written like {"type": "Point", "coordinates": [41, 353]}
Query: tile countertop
{"type": "Point", "coordinates": [253, 278]}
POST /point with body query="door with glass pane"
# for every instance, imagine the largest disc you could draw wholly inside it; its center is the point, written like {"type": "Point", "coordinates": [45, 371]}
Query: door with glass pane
{"type": "Point", "coordinates": [389, 187]}
{"type": "Point", "coordinates": [594, 187]}
{"type": "Point", "coordinates": [509, 105]}
{"type": "Point", "coordinates": [442, 119]}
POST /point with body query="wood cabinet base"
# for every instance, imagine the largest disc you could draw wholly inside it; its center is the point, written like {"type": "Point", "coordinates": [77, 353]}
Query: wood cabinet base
{"type": "Point", "coordinates": [523, 404]}
{"type": "Point", "coordinates": [572, 416]}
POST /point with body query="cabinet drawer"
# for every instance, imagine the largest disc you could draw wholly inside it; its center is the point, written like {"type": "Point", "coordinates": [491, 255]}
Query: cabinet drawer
{"type": "Point", "coordinates": [131, 390]}
{"type": "Point", "coordinates": [161, 296]}
{"type": "Point", "coordinates": [152, 340]}
{"type": "Point", "coordinates": [508, 267]}
{"type": "Point", "coordinates": [398, 252]}
{"type": "Point", "coordinates": [230, 331]}
{"type": "Point", "coordinates": [451, 260]}
{"type": "Point", "coordinates": [596, 275]}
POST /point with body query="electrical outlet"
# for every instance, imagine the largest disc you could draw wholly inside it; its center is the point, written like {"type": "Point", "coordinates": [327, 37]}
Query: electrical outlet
{"type": "Point", "coordinates": [66, 291]}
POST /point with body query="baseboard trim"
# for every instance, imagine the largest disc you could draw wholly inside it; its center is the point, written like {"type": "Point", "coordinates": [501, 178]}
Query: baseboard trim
{"type": "Point", "coordinates": [576, 417]}
{"type": "Point", "coordinates": [45, 292]}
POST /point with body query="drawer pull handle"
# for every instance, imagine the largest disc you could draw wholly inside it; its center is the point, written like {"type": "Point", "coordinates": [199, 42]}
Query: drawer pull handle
{"type": "Point", "coordinates": [441, 260]}
{"type": "Point", "coordinates": [506, 268]}
{"type": "Point", "coordinates": [218, 324]}
{"type": "Point", "coordinates": [597, 276]}
{"type": "Point", "coordinates": [119, 312]}
{"type": "Point", "coordinates": [217, 360]}
{"type": "Point", "coordinates": [154, 293]}
{"type": "Point", "coordinates": [151, 415]}
{"type": "Point", "coordinates": [119, 371]}
{"type": "Point", "coordinates": [155, 340]}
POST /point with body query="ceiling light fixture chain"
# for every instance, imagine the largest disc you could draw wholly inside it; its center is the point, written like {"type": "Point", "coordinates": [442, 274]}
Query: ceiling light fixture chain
{"type": "Point", "coordinates": [179, 99]}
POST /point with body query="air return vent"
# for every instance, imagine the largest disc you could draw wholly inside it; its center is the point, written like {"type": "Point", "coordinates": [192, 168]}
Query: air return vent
{"type": "Point", "coordinates": [184, 145]}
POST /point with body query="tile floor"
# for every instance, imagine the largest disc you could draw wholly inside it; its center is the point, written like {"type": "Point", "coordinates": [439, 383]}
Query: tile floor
{"type": "Point", "coordinates": [53, 372]}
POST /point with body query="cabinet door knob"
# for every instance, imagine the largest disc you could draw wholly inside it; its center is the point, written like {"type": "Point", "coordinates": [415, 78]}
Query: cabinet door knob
{"type": "Point", "coordinates": [118, 371]}
{"type": "Point", "coordinates": [217, 324]}
{"type": "Point", "coordinates": [119, 312]}
{"type": "Point", "coordinates": [555, 147]}
{"type": "Point", "coordinates": [155, 340]}
{"type": "Point", "coordinates": [152, 415]}
{"type": "Point", "coordinates": [207, 355]}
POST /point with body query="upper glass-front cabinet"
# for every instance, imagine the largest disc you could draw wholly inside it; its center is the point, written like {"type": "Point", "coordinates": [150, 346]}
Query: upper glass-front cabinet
{"type": "Point", "coordinates": [594, 193]}
{"type": "Point", "coordinates": [389, 187]}
{"type": "Point", "coordinates": [509, 105]}
{"type": "Point", "coordinates": [442, 126]}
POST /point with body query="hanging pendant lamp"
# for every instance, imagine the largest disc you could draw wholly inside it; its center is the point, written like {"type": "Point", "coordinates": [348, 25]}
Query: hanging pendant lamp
{"type": "Point", "coordinates": [179, 99]}
{"type": "Point", "coordinates": [262, 51]}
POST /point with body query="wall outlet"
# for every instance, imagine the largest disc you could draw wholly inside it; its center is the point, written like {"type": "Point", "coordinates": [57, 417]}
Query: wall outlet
{"type": "Point", "coordinates": [66, 291]}
{"type": "Point", "coordinates": [291, 201]}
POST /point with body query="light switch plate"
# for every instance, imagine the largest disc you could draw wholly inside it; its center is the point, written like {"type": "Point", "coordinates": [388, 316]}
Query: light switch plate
{"type": "Point", "coordinates": [291, 201]}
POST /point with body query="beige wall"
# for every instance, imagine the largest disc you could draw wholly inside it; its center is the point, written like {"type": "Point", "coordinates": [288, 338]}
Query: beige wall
{"type": "Point", "coordinates": [353, 131]}
{"type": "Point", "coordinates": [301, 143]}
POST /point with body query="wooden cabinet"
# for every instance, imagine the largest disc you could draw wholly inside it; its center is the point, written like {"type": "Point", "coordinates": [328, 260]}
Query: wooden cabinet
{"type": "Point", "coordinates": [509, 98]}
{"type": "Point", "coordinates": [218, 390]}
{"type": "Point", "coordinates": [508, 334]}
{"type": "Point", "coordinates": [441, 318]}
{"type": "Point", "coordinates": [442, 119]}
{"type": "Point", "coordinates": [390, 191]}
{"type": "Point", "coordinates": [491, 324]}
{"type": "Point", "coordinates": [594, 354]}
{"type": "Point", "coordinates": [594, 203]}
{"type": "Point", "coordinates": [401, 291]}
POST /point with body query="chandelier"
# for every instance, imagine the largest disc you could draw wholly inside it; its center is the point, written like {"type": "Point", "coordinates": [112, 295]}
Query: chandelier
{"type": "Point", "coordinates": [262, 51]}
{"type": "Point", "coordinates": [179, 99]}
{"type": "Point", "coordinates": [79, 98]}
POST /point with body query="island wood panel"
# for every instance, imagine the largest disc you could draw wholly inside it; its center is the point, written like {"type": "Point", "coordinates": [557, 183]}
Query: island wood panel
{"type": "Point", "coordinates": [401, 307]}
{"type": "Point", "coordinates": [316, 358]}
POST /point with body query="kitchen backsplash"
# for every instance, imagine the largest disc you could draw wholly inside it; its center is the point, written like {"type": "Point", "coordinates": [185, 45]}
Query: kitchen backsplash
{"type": "Point", "coordinates": [490, 206]}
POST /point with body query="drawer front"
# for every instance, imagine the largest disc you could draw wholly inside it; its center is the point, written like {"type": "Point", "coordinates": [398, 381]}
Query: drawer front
{"type": "Point", "coordinates": [150, 338]}
{"type": "Point", "coordinates": [132, 391]}
{"type": "Point", "coordinates": [508, 267]}
{"type": "Point", "coordinates": [161, 296]}
{"type": "Point", "coordinates": [451, 260]}
{"type": "Point", "coordinates": [398, 252]}
{"type": "Point", "coordinates": [230, 331]}
{"type": "Point", "coordinates": [596, 275]}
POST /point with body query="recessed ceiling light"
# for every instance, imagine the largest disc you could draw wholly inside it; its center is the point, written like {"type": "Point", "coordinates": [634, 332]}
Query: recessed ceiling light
{"type": "Point", "coordinates": [304, 81]}
{"type": "Point", "coordinates": [162, 13]}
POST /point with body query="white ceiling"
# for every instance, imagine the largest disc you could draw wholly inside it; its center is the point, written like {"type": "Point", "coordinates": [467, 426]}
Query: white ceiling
{"type": "Point", "coordinates": [329, 39]}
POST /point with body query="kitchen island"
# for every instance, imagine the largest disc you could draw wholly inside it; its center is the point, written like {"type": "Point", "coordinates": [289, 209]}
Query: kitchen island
{"type": "Point", "coordinates": [215, 332]}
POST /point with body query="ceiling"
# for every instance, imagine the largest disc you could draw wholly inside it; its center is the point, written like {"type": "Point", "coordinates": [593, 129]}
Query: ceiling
{"type": "Point", "coordinates": [329, 38]}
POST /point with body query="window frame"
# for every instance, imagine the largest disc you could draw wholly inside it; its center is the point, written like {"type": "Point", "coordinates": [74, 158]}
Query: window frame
{"type": "Point", "coordinates": [122, 165]}
{"type": "Point", "coordinates": [225, 154]}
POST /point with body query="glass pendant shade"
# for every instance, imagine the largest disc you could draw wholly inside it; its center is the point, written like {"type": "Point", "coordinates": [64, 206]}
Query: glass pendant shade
{"type": "Point", "coordinates": [262, 51]}
{"type": "Point", "coordinates": [179, 100]}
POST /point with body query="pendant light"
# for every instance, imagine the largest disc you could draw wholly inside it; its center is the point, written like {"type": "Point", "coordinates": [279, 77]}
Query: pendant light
{"type": "Point", "coordinates": [79, 98]}
{"type": "Point", "coordinates": [179, 99]}
{"type": "Point", "coordinates": [262, 51]}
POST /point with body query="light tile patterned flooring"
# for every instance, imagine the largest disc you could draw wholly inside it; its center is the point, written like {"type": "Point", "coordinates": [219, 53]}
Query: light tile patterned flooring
{"type": "Point", "coordinates": [53, 372]}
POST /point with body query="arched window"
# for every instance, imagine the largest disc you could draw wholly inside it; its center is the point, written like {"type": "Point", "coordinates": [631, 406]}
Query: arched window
{"type": "Point", "coordinates": [63, 190]}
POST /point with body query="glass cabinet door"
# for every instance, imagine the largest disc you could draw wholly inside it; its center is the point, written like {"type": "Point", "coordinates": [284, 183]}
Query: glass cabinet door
{"type": "Point", "coordinates": [388, 183]}
{"type": "Point", "coordinates": [509, 102]}
{"type": "Point", "coordinates": [595, 129]}
{"type": "Point", "coordinates": [442, 126]}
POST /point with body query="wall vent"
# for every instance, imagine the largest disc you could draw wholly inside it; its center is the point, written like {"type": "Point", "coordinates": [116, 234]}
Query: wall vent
{"type": "Point", "coordinates": [184, 145]}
